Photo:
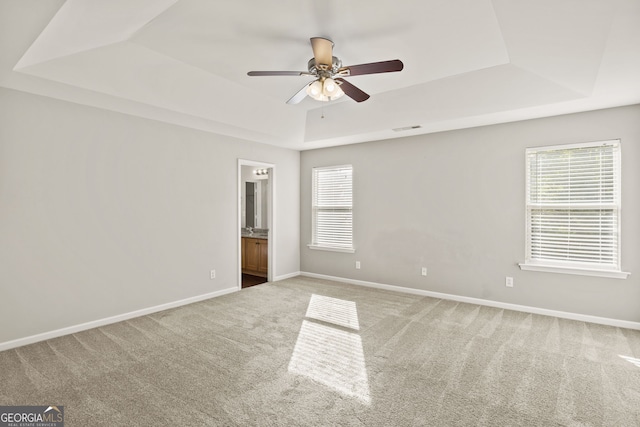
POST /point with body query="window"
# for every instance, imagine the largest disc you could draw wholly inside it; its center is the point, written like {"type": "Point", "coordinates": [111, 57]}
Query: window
{"type": "Point", "coordinates": [332, 222]}
{"type": "Point", "coordinates": [573, 209]}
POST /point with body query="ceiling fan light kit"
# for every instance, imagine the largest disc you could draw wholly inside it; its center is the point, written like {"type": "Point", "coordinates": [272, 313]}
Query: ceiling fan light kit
{"type": "Point", "coordinates": [329, 73]}
{"type": "Point", "coordinates": [324, 90]}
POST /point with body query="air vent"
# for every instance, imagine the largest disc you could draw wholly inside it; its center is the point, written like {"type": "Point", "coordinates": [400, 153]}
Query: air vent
{"type": "Point", "coordinates": [407, 128]}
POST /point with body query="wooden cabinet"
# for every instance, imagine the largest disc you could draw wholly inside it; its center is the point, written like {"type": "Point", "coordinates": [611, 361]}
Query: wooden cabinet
{"type": "Point", "coordinates": [263, 257]}
{"type": "Point", "coordinates": [243, 253]}
{"type": "Point", "coordinates": [255, 256]}
{"type": "Point", "coordinates": [251, 254]}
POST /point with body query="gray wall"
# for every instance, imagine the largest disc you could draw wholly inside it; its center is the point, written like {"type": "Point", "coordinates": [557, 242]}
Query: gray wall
{"type": "Point", "coordinates": [102, 213]}
{"type": "Point", "coordinates": [454, 202]}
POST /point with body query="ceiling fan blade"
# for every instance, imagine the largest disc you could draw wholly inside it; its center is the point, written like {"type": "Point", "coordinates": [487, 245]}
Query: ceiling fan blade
{"type": "Point", "coordinates": [279, 73]}
{"type": "Point", "coordinates": [322, 51]}
{"type": "Point", "coordinates": [299, 96]}
{"type": "Point", "coordinates": [351, 91]}
{"type": "Point", "coordinates": [372, 68]}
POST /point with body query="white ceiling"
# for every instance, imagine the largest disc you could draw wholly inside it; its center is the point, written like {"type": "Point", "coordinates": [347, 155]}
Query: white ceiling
{"type": "Point", "coordinates": [467, 62]}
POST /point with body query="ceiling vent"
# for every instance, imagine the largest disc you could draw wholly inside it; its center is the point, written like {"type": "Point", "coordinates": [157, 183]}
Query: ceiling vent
{"type": "Point", "coordinates": [406, 128]}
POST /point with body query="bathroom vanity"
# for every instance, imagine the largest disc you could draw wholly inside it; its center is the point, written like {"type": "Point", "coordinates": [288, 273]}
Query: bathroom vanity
{"type": "Point", "coordinates": [255, 254]}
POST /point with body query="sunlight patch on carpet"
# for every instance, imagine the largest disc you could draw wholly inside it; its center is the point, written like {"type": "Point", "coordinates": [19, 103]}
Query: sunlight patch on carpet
{"type": "Point", "coordinates": [330, 355]}
{"type": "Point", "coordinates": [631, 360]}
{"type": "Point", "coordinates": [333, 310]}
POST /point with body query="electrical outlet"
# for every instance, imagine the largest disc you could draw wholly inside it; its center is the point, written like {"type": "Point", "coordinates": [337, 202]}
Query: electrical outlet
{"type": "Point", "coordinates": [509, 282]}
{"type": "Point", "coordinates": [357, 265]}
{"type": "Point", "coordinates": [213, 274]}
{"type": "Point", "coordinates": [424, 271]}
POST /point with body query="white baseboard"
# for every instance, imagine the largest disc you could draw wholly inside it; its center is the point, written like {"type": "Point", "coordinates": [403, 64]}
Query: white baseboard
{"type": "Point", "coordinates": [109, 320]}
{"type": "Point", "coordinates": [121, 317]}
{"type": "Point", "coordinates": [286, 276]}
{"type": "Point", "coordinates": [497, 304]}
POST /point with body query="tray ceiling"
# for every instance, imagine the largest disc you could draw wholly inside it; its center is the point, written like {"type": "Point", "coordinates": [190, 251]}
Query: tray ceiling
{"type": "Point", "coordinates": [467, 62]}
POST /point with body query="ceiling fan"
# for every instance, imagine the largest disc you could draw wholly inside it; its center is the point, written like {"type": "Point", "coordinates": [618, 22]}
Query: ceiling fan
{"type": "Point", "coordinates": [329, 73]}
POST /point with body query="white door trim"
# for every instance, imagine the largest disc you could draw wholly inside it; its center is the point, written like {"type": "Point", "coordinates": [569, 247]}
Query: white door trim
{"type": "Point", "coordinates": [271, 220]}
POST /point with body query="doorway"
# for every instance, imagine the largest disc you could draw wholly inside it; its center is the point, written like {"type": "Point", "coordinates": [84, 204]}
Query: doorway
{"type": "Point", "coordinates": [256, 214]}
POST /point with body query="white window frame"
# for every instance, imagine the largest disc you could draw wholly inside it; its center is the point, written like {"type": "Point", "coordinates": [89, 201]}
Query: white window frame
{"type": "Point", "coordinates": [548, 264]}
{"type": "Point", "coordinates": [317, 242]}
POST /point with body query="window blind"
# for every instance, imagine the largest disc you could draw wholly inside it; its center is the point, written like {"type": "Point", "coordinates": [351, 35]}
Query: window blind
{"type": "Point", "coordinates": [332, 207]}
{"type": "Point", "coordinates": [573, 205]}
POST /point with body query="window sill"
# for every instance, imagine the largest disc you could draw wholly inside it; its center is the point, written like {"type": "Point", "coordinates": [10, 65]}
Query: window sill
{"type": "Point", "coordinates": [572, 270]}
{"type": "Point", "coordinates": [330, 249]}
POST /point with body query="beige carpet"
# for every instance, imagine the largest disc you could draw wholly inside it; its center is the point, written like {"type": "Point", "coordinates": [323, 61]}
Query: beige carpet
{"type": "Point", "coordinates": [305, 352]}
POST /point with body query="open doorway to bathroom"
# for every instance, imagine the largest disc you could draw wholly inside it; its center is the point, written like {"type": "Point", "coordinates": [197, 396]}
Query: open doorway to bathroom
{"type": "Point", "coordinates": [255, 222]}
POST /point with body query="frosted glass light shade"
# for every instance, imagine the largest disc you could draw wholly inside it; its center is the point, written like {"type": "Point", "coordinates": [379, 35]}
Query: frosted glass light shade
{"type": "Point", "coordinates": [324, 90]}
